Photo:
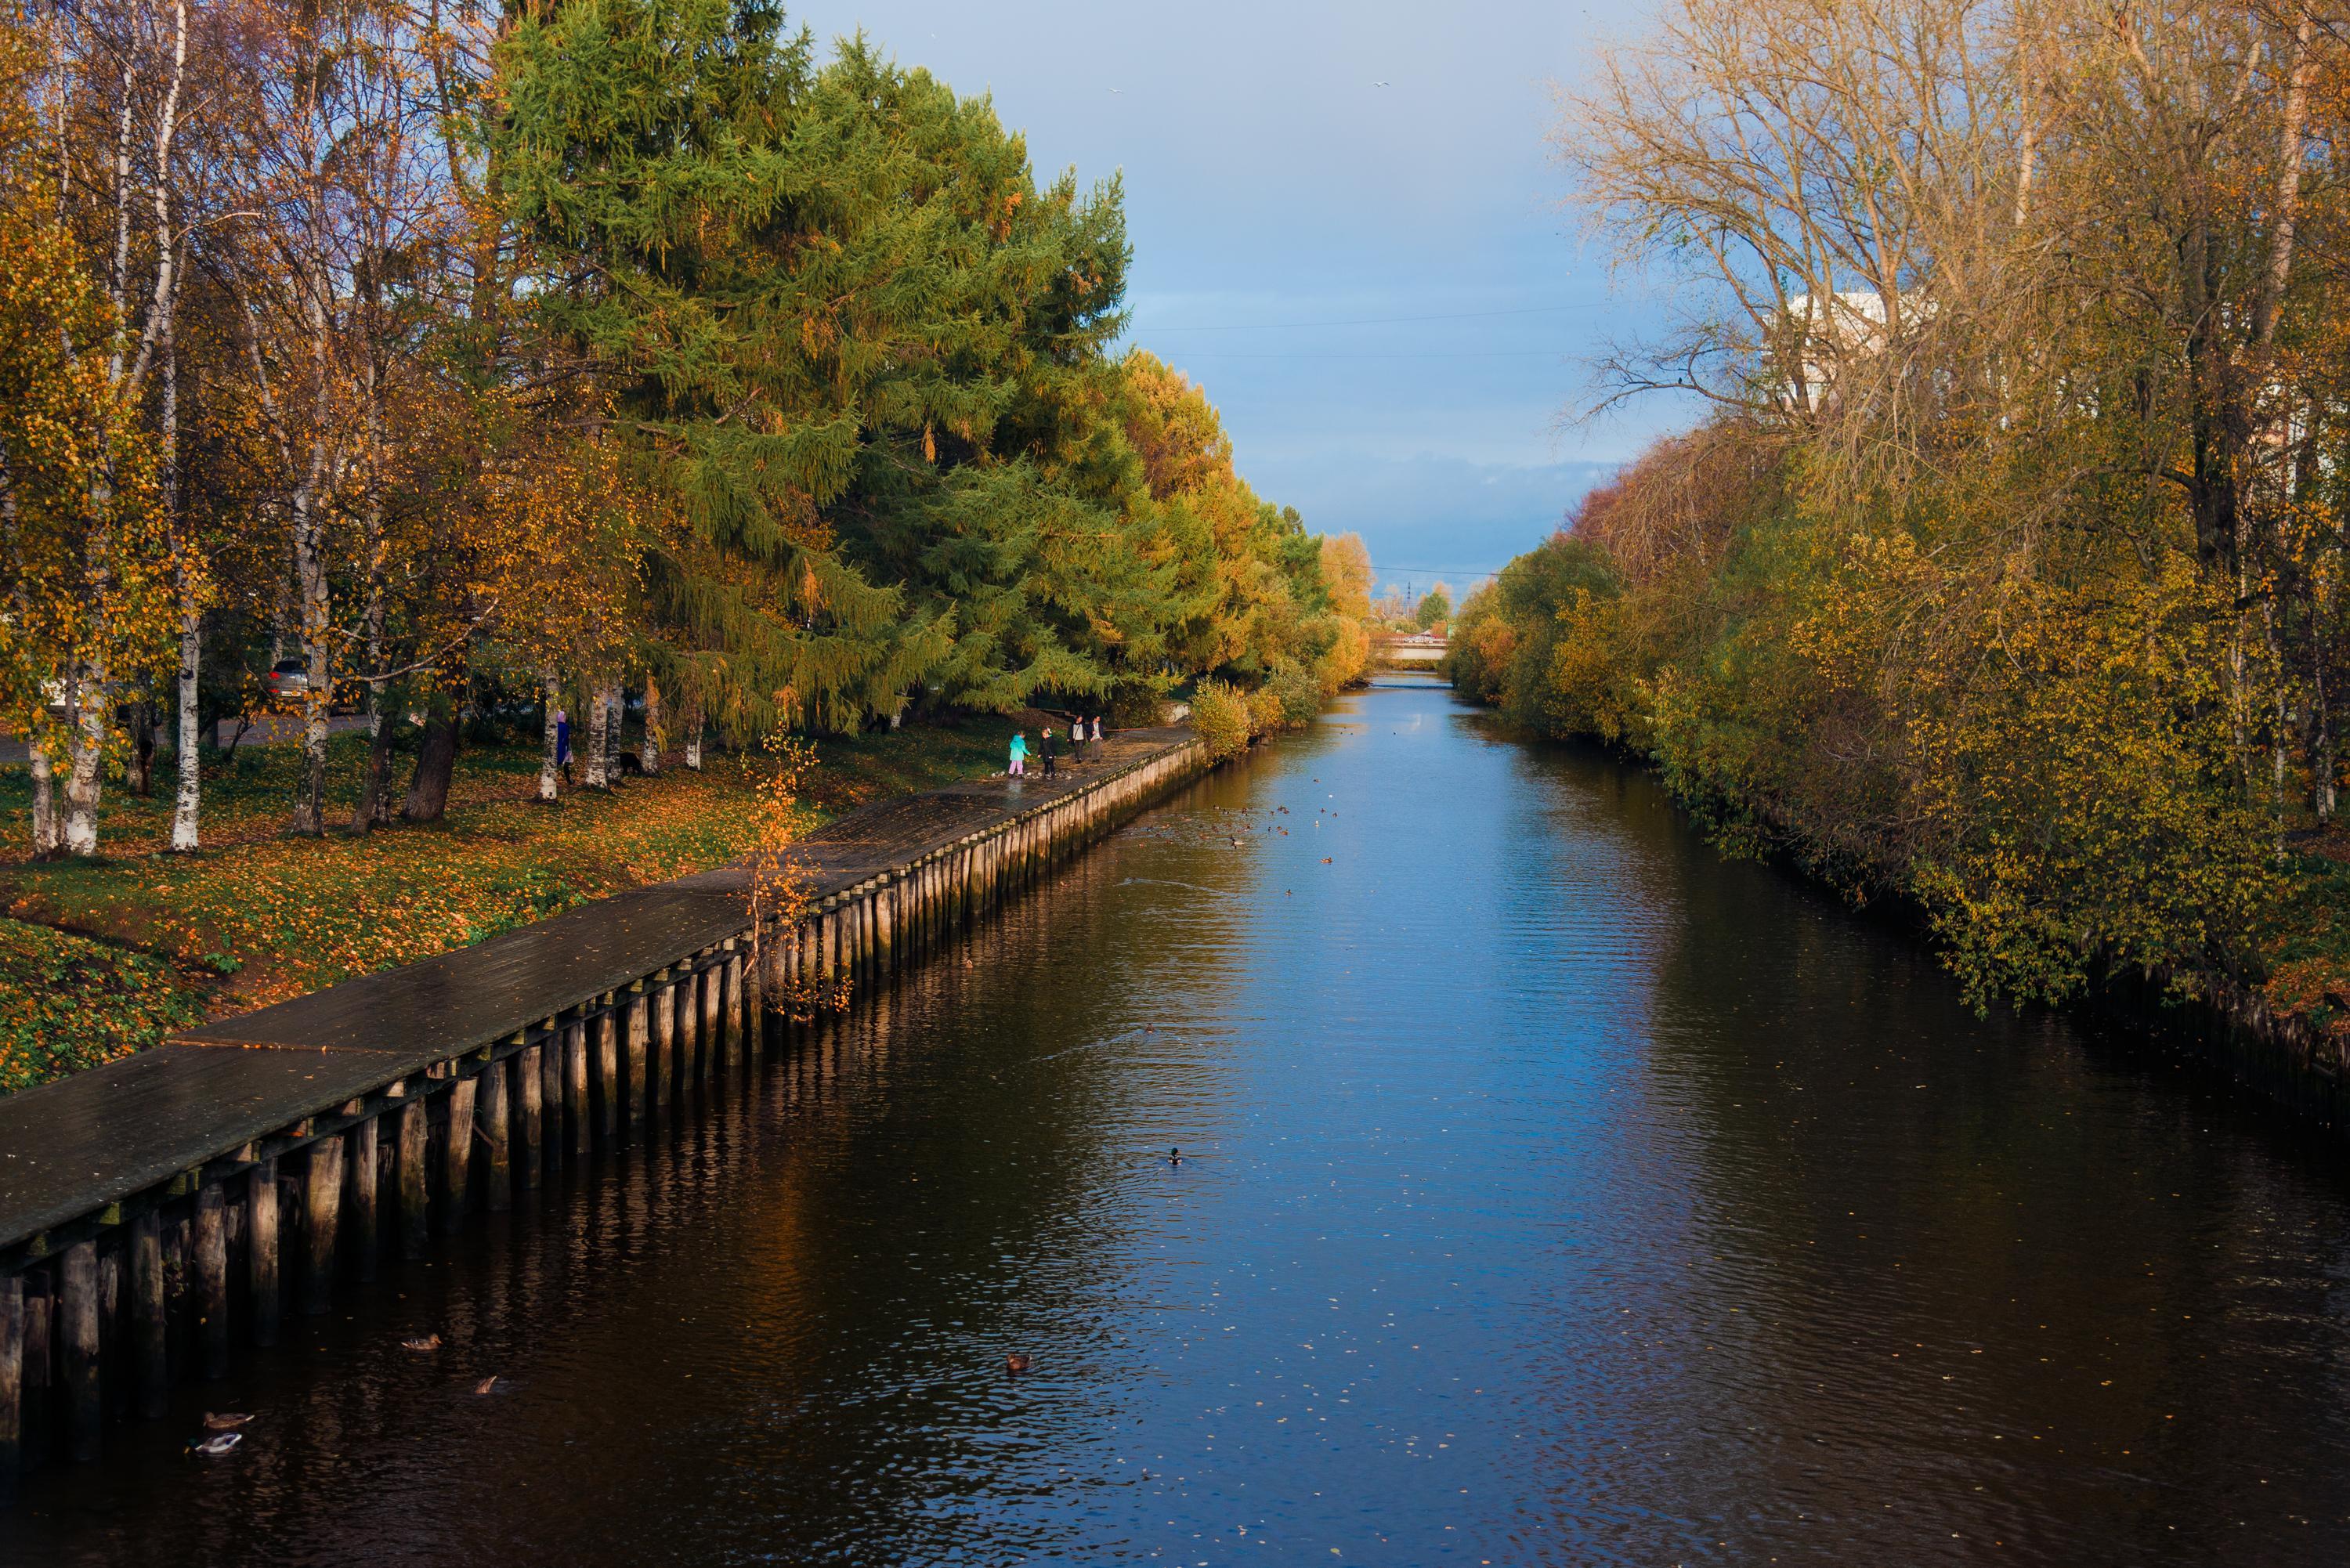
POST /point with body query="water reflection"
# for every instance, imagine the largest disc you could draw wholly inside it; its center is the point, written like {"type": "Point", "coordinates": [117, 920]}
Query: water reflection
{"type": "Point", "coordinates": [1551, 1192]}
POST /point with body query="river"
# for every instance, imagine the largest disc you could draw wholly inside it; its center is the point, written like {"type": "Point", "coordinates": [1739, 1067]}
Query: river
{"type": "Point", "coordinates": [1551, 1191]}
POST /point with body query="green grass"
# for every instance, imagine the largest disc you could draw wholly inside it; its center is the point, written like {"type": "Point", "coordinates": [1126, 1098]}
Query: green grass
{"type": "Point", "coordinates": [68, 1001]}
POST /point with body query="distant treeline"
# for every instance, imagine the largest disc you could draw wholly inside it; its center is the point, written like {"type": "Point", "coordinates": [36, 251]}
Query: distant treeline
{"type": "Point", "coordinates": [2007, 573]}
{"type": "Point", "coordinates": [438, 353]}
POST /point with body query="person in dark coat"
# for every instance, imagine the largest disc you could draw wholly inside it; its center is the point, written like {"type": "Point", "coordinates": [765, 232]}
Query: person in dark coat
{"type": "Point", "coordinates": [1050, 749]}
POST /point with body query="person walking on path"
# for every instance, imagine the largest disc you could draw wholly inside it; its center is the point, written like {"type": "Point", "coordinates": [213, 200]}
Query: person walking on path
{"type": "Point", "coordinates": [1046, 737]}
{"type": "Point", "coordinates": [1019, 768]}
{"type": "Point", "coordinates": [1098, 737]}
{"type": "Point", "coordinates": [563, 743]}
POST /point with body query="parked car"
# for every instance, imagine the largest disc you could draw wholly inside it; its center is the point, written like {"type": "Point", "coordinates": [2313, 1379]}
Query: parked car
{"type": "Point", "coordinates": [288, 678]}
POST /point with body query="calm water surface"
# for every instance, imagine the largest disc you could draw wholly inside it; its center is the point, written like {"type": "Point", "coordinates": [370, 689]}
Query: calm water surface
{"type": "Point", "coordinates": [1551, 1192]}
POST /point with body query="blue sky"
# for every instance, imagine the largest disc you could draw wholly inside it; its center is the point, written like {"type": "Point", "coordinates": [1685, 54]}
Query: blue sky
{"type": "Point", "coordinates": [1297, 225]}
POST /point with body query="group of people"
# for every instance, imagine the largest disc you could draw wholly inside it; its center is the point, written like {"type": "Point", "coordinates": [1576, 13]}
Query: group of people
{"type": "Point", "coordinates": [1083, 732]}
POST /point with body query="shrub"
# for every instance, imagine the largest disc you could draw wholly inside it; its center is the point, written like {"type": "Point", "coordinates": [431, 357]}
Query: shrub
{"type": "Point", "coordinates": [1265, 711]}
{"type": "Point", "coordinates": [1220, 713]}
{"type": "Point", "coordinates": [1298, 694]}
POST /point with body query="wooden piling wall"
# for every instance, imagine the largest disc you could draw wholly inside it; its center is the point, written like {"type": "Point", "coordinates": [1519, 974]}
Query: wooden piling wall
{"type": "Point", "coordinates": [158, 1213]}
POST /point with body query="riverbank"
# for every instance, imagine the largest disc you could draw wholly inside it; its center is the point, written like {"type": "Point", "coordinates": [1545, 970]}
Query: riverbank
{"type": "Point", "coordinates": [291, 1149]}
{"type": "Point", "coordinates": [2284, 1035]}
{"type": "Point", "coordinates": [101, 959]}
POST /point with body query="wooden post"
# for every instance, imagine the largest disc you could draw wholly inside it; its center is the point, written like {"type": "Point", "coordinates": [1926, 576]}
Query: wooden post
{"type": "Point", "coordinates": [660, 1004]}
{"type": "Point", "coordinates": [734, 1005]}
{"type": "Point", "coordinates": [639, 1032]}
{"type": "Point", "coordinates": [366, 1187]}
{"type": "Point", "coordinates": [414, 1134]}
{"type": "Point", "coordinates": [496, 1118]}
{"type": "Point", "coordinates": [574, 1087]}
{"type": "Point", "coordinates": [114, 1329]}
{"type": "Point", "coordinates": [551, 1069]}
{"type": "Point", "coordinates": [261, 1250]}
{"type": "Point", "coordinates": [714, 1015]}
{"type": "Point", "coordinates": [530, 1120]}
{"type": "Point", "coordinates": [457, 1156]}
{"type": "Point", "coordinates": [149, 1316]}
{"type": "Point", "coordinates": [212, 1279]}
{"type": "Point", "coordinates": [322, 1198]}
{"type": "Point", "coordinates": [908, 921]}
{"type": "Point", "coordinates": [688, 1002]}
{"type": "Point", "coordinates": [607, 1064]}
{"type": "Point", "coordinates": [40, 1365]}
{"type": "Point", "coordinates": [78, 1334]}
{"type": "Point", "coordinates": [925, 933]}
{"type": "Point", "coordinates": [12, 1385]}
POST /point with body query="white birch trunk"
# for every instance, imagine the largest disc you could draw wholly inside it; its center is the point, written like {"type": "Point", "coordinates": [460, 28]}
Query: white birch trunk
{"type": "Point", "coordinates": [652, 755]}
{"type": "Point", "coordinates": [599, 717]}
{"type": "Point", "coordinates": [86, 761]}
{"type": "Point", "coordinates": [550, 766]}
{"type": "Point", "coordinates": [45, 803]}
{"type": "Point", "coordinates": [187, 804]}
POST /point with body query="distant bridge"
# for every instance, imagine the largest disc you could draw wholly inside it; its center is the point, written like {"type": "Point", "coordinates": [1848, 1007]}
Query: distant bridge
{"type": "Point", "coordinates": [1425, 647]}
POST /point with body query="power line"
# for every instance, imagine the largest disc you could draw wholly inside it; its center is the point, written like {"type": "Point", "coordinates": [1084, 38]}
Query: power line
{"type": "Point", "coordinates": [1489, 354]}
{"type": "Point", "coordinates": [1386, 320]}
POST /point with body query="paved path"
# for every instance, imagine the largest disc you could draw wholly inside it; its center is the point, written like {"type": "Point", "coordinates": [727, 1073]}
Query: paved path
{"type": "Point", "coordinates": [267, 730]}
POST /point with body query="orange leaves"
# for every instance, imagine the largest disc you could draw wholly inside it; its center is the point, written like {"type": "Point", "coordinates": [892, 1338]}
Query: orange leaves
{"type": "Point", "coordinates": [778, 822]}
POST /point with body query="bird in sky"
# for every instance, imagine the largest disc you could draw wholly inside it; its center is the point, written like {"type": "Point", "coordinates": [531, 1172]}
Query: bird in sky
{"type": "Point", "coordinates": [1379, 84]}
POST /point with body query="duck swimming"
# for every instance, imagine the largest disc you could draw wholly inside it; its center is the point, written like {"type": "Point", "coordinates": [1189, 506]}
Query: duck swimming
{"type": "Point", "coordinates": [224, 1420]}
{"type": "Point", "coordinates": [430, 1342]}
{"type": "Point", "coordinates": [220, 1444]}
{"type": "Point", "coordinates": [1017, 1363]}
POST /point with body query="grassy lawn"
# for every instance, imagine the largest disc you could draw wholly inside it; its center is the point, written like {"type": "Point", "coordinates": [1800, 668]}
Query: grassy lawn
{"type": "Point", "coordinates": [98, 959]}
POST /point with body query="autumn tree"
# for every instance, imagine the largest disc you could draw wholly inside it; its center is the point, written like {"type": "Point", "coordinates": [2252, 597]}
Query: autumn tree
{"type": "Point", "coordinates": [2017, 496]}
